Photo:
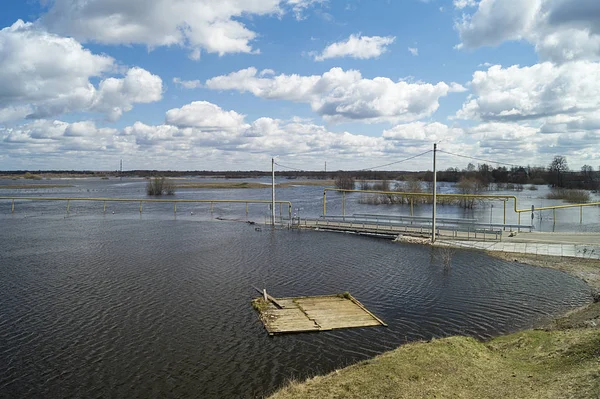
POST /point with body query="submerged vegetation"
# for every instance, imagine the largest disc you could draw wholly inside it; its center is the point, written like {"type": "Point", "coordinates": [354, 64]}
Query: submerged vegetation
{"type": "Point", "coordinates": [569, 195]}
{"type": "Point", "coordinates": [159, 186]}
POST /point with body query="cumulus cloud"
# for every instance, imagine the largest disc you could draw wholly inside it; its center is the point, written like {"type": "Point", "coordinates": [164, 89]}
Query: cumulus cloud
{"type": "Point", "coordinates": [357, 46]}
{"type": "Point", "coordinates": [339, 95]}
{"type": "Point", "coordinates": [209, 25]}
{"type": "Point", "coordinates": [205, 115]}
{"type": "Point", "coordinates": [422, 132]}
{"type": "Point", "coordinates": [44, 75]}
{"type": "Point", "coordinates": [560, 30]}
{"type": "Point", "coordinates": [536, 92]}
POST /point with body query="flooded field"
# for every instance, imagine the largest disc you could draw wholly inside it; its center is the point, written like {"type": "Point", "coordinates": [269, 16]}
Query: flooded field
{"type": "Point", "coordinates": [123, 305]}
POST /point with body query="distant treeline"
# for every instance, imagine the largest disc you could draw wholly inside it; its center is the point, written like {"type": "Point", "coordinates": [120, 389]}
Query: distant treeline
{"type": "Point", "coordinates": [556, 174]}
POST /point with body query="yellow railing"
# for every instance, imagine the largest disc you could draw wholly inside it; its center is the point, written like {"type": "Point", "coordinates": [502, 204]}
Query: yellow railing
{"type": "Point", "coordinates": [503, 198]}
{"type": "Point", "coordinates": [142, 201]}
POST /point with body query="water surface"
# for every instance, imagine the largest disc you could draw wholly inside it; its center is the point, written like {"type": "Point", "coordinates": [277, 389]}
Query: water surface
{"type": "Point", "coordinates": [128, 307]}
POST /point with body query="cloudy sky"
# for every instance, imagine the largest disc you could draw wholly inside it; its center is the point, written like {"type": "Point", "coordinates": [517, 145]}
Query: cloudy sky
{"type": "Point", "coordinates": [228, 84]}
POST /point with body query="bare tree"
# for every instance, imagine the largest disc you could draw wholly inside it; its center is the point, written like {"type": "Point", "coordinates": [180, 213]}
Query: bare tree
{"type": "Point", "coordinates": [557, 169]}
{"type": "Point", "coordinates": [344, 181]}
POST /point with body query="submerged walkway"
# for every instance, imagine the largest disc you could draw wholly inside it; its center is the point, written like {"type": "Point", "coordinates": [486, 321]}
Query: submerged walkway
{"type": "Point", "coordinates": [576, 245]}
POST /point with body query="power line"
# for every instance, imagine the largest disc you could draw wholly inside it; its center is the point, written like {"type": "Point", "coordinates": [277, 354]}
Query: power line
{"type": "Point", "coordinates": [478, 159]}
{"type": "Point", "coordinates": [394, 163]}
{"type": "Point", "coordinates": [288, 167]}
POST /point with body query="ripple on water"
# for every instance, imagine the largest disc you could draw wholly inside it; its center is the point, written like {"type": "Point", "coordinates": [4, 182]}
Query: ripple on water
{"type": "Point", "coordinates": [160, 308]}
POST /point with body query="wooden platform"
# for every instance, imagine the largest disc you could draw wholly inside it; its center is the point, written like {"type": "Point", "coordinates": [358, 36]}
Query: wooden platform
{"type": "Point", "coordinates": [314, 313]}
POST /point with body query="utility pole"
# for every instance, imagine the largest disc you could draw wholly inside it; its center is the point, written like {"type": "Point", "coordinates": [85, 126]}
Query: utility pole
{"type": "Point", "coordinates": [434, 196]}
{"type": "Point", "coordinates": [273, 192]}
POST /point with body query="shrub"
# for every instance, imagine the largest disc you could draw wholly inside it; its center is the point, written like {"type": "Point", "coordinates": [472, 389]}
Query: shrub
{"type": "Point", "coordinates": [344, 181]}
{"type": "Point", "coordinates": [569, 195]}
{"type": "Point", "coordinates": [160, 186]}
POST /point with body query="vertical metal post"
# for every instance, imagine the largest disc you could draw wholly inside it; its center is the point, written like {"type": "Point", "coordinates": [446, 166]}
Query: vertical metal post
{"type": "Point", "coordinates": [13, 206]}
{"type": "Point", "coordinates": [246, 209]}
{"type": "Point", "coordinates": [68, 206]}
{"type": "Point", "coordinates": [273, 192]}
{"type": "Point", "coordinates": [505, 213]}
{"type": "Point", "coordinates": [174, 207]}
{"type": "Point", "coordinates": [434, 196]}
{"type": "Point", "coordinates": [141, 206]}
{"type": "Point", "coordinates": [104, 207]}
{"type": "Point", "coordinates": [554, 216]}
{"type": "Point", "coordinates": [411, 206]}
{"type": "Point", "coordinates": [343, 203]}
{"type": "Point", "coordinates": [324, 202]}
{"type": "Point", "coordinates": [580, 215]}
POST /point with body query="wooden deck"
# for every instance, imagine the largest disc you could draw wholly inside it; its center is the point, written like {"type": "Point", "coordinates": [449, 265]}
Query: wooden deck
{"type": "Point", "coordinates": [314, 313]}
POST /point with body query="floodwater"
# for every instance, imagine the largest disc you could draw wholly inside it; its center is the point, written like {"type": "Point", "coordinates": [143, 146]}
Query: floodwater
{"type": "Point", "coordinates": [126, 305]}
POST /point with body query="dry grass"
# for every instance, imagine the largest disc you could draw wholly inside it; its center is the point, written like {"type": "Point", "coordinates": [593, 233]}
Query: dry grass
{"type": "Point", "coordinates": [530, 364]}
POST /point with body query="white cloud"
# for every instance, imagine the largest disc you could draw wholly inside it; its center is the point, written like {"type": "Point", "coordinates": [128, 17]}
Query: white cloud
{"type": "Point", "coordinates": [560, 30]}
{"type": "Point", "coordinates": [45, 75]}
{"type": "Point", "coordinates": [209, 25]}
{"type": "Point", "coordinates": [205, 115]}
{"type": "Point", "coordinates": [422, 132]}
{"type": "Point", "coordinates": [357, 46]}
{"type": "Point", "coordinates": [460, 4]}
{"type": "Point", "coordinates": [187, 84]}
{"type": "Point", "coordinates": [528, 93]}
{"type": "Point", "coordinates": [414, 51]}
{"type": "Point", "coordinates": [300, 6]}
{"type": "Point", "coordinates": [343, 95]}
{"type": "Point", "coordinates": [116, 96]}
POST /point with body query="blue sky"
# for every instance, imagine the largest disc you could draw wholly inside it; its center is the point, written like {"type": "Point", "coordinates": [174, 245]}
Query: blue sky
{"type": "Point", "coordinates": [229, 84]}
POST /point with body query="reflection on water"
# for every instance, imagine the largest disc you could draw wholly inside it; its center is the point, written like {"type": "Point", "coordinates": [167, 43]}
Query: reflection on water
{"type": "Point", "coordinates": [160, 307]}
{"type": "Point", "coordinates": [307, 202]}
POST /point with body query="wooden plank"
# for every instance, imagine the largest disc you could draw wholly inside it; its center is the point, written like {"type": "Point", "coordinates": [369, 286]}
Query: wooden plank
{"type": "Point", "coordinates": [316, 313]}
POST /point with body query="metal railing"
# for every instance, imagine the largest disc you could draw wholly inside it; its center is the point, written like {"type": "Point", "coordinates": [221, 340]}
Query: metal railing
{"type": "Point", "coordinates": [503, 198]}
{"type": "Point", "coordinates": [473, 231]}
{"type": "Point", "coordinates": [142, 201]}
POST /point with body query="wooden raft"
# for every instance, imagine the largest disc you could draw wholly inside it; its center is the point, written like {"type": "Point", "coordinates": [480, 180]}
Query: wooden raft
{"type": "Point", "coordinates": [314, 313]}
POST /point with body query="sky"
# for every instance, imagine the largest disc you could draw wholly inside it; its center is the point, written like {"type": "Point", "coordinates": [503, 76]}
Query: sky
{"type": "Point", "coordinates": [355, 84]}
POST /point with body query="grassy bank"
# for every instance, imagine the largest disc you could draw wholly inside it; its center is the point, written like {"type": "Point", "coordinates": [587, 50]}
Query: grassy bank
{"type": "Point", "coordinates": [561, 361]}
{"type": "Point", "coordinates": [530, 364]}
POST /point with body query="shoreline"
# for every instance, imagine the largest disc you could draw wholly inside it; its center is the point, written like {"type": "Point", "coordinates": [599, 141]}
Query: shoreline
{"type": "Point", "coordinates": [558, 359]}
